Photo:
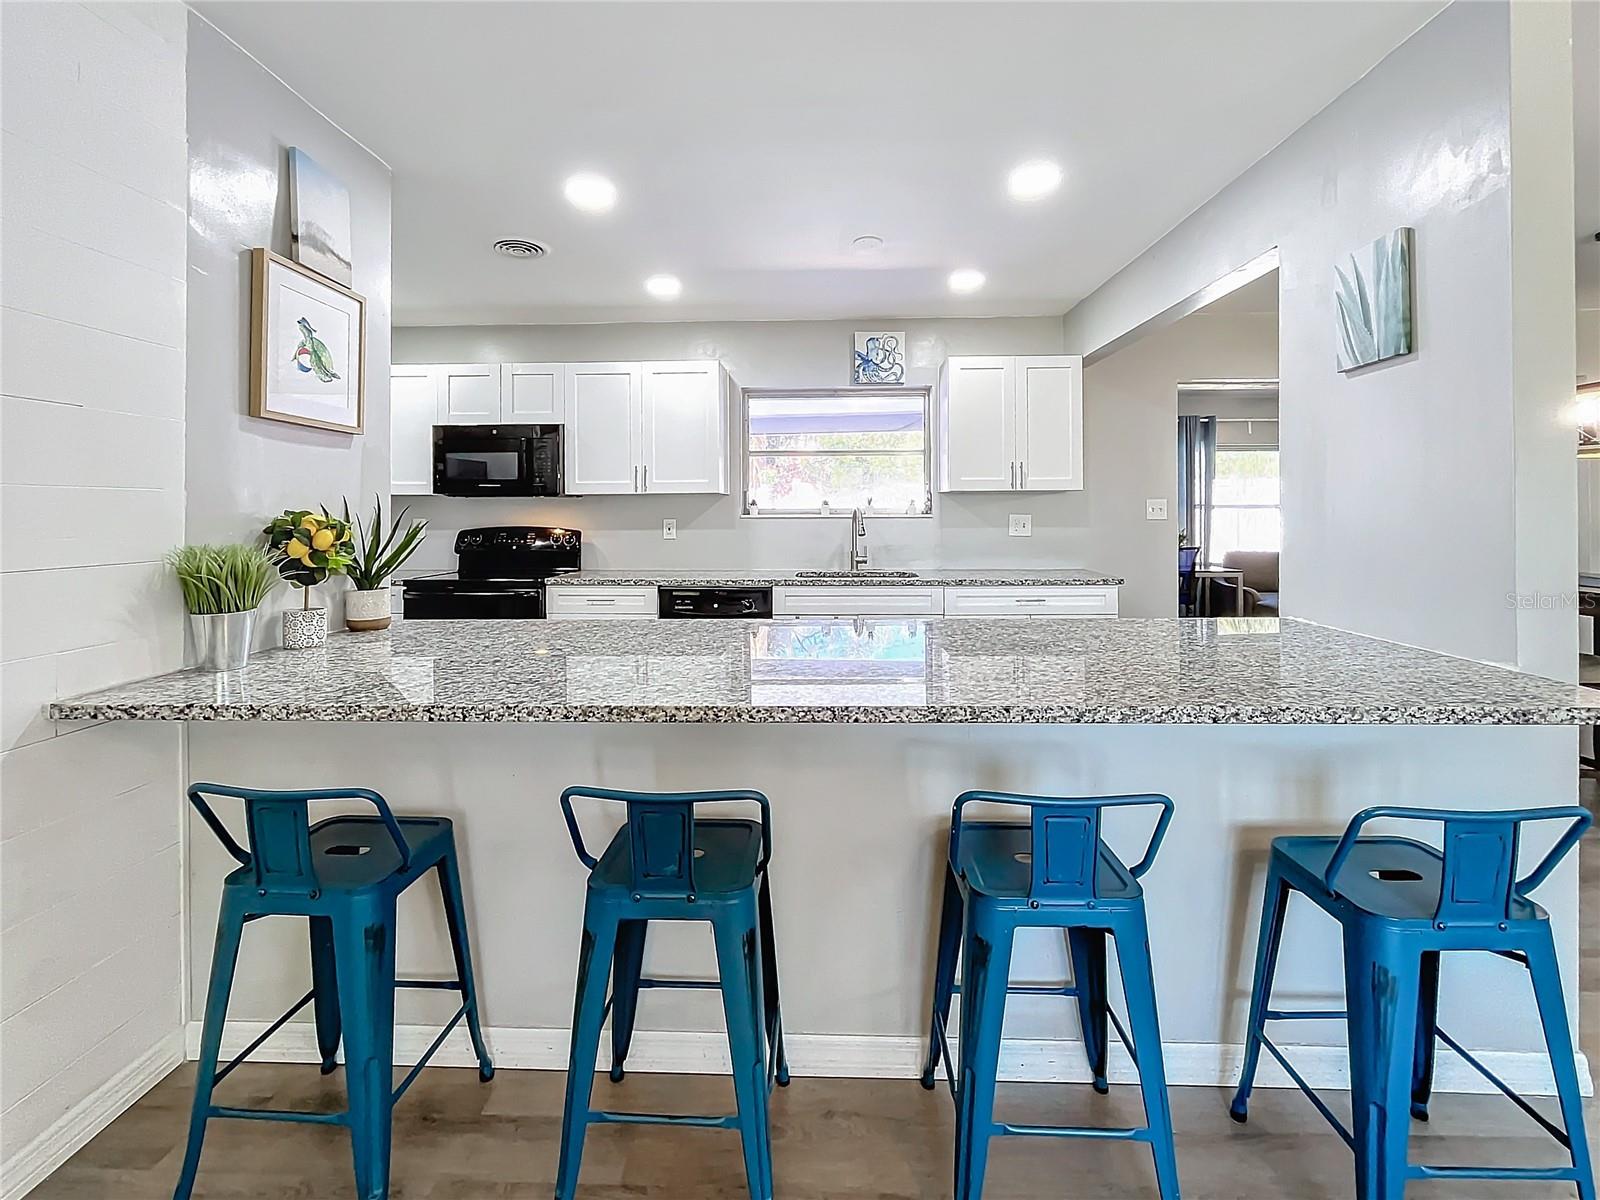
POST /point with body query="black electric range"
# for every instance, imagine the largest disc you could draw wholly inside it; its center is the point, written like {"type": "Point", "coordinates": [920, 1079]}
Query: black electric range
{"type": "Point", "coordinates": [500, 573]}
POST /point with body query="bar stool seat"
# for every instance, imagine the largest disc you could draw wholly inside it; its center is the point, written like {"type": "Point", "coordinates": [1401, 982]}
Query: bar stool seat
{"type": "Point", "coordinates": [727, 854]}
{"type": "Point", "coordinates": [354, 853]}
{"type": "Point", "coordinates": [1402, 905]}
{"type": "Point", "coordinates": [997, 860]}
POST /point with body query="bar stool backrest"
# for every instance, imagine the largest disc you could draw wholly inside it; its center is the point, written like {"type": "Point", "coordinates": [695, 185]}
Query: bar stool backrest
{"type": "Point", "coordinates": [1478, 879]}
{"type": "Point", "coordinates": [278, 829]}
{"type": "Point", "coordinates": [1065, 843]}
{"type": "Point", "coordinates": [661, 835]}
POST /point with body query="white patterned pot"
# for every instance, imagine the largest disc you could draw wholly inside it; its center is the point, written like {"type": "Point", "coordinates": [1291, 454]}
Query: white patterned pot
{"type": "Point", "coordinates": [304, 628]}
{"type": "Point", "coordinates": [367, 610]}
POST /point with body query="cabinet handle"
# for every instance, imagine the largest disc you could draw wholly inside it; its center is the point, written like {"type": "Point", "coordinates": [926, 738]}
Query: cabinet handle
{"type": "Point", "coordinates": [644, 473]}
{"type": "Point", "coordinates": [636, 477]}
{"type": "Point", "coordinates": [1022, 474]}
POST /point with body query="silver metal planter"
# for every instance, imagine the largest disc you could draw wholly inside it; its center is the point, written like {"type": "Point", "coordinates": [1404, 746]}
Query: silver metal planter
{"type": "Point", "coordinates": [222, 640]}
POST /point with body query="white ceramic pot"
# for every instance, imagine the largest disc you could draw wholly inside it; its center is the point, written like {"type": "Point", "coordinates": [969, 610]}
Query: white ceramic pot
{"type": "Point", "coordinates": [304, 628]}
{"type": "Point", "coordinates": [367, 610]}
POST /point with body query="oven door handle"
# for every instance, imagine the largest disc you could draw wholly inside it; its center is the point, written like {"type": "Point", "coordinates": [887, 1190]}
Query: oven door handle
{"type": "Point", "coordinates": [452, 595]}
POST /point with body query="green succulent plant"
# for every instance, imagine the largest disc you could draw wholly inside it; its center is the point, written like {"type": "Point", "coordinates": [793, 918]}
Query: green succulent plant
{"type": "Point", "coordinates": [377, 556]}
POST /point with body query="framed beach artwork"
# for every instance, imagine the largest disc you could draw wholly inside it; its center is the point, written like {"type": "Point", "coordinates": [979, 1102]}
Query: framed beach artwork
{"type": "Point", "coordinates": [308, 344]}
{"type": "Point", "coordinates": [1372, 293]}
{"type": "Point", "coordinates": [319, 219]}
{"type": "Point", "coordinates": [880, 358]}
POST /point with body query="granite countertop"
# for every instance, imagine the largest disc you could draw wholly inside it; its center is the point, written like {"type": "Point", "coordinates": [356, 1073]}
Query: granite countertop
{"type": "Point", "coordinates": [1039, 671]}
{"type": "Point", "coordinates": [933, 577]}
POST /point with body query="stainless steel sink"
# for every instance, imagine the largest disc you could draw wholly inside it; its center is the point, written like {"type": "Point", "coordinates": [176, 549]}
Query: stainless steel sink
{"type": "Point", "coordinates": [863, 574]}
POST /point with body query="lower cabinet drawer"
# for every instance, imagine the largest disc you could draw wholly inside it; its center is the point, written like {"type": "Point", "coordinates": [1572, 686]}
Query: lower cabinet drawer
{"type": "Point", "coordinates": [590, 603]}
{"type": "Point", "coordinates": [853, 601]}
{"type": "Point", "coordinates": [1030, 602]}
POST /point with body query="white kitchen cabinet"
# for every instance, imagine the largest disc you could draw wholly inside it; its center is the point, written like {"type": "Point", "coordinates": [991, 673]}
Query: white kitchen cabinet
{"type": "Point", "coordinates": [413, 401]}
{"type": "Point", "coordinates": [468, 393]}
{"type": "Point", "coordinates": [638, 428]}
{"type": "Point", "coordinates": [1030, 601]}
{"type": "Point", "coordinates": [599, 603]}
{"type": "Point", "coordinates": [603, 411]}
{"type": "Point", "coordinates": [1010, 424]}
{"type": "Point", "coordinates": [683, 428]}
{"type": "Point", "coordinates": [857, 600]}
{"type": "Point", "coordinates": [533, 393]}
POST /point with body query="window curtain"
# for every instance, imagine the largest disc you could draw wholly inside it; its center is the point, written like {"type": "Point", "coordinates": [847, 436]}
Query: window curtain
{"type": "Point", "coordinates": [1197, 470]}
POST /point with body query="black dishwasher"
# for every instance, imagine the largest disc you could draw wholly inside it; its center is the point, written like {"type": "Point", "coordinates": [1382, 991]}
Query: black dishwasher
{"type": "Point", "coordinates": [714, 603]}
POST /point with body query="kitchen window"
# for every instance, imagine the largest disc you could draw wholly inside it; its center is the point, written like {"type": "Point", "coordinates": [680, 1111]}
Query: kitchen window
{"type": "Point", "coordinates": [816, 453]}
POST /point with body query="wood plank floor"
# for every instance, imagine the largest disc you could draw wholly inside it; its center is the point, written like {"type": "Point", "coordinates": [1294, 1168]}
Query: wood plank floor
{"type": "Point", "coordinates": [457, 1139]}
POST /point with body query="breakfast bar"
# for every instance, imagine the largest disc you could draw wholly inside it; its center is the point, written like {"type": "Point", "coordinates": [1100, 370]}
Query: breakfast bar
{"type": "Point", "coordinates": [862, 733]}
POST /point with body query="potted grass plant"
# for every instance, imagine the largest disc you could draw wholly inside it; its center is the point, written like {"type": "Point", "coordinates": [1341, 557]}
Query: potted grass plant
{"type": "Point", "coordinates": [375, 559]}
{"type": "Point", "coordinates": [222, 588]}
{"type": "Point", "coordinates": [310, 546]}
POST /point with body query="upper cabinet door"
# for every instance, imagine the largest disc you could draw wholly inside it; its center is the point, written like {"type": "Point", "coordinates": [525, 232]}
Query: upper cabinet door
{"type": "Point", "coordinates": [469, 393]}
{"type": "Point", "coordinates": [1050, 422]}
{"type": "Point", "coordinates": [684, 428]}
{"type": "Point", "coordinates": [602, 443]}
{"type": "Point", "coordinates": [533, 393]}
{"type": "Point", "coordinates": [977, 425]}
{"type": "Point", "coordinates": [413, 398]}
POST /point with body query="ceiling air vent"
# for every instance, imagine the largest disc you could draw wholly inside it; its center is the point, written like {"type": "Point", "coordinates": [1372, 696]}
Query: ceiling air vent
{"type": "Point", "coordinates": [519, 248]}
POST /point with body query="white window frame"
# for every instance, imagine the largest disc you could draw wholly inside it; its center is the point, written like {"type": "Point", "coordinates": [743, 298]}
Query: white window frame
{"type": "Point", "coordinates": [1214, 508]}
{"type": "Point", "coordinates": [820, 393]}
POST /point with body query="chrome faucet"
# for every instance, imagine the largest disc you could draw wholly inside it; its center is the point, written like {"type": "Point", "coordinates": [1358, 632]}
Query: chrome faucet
{"type": "Point", "coordinates": [858, 535]}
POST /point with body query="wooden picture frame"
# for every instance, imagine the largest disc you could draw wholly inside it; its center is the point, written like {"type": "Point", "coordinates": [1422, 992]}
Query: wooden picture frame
{"type": "Point", "coordinates": [305, 374]}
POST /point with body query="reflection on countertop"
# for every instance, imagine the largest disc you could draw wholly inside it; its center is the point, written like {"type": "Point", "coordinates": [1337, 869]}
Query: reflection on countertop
{"type": "Point", "coordinates": [1047, 670]}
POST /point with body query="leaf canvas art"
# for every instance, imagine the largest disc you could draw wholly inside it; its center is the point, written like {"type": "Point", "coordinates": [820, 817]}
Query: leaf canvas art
{"type": "Point", "coordinates": [308, 337]}
{"type": "Point", "coordinates": [319, 218]}
{"type": "Point", "coordinates": [1372, 295]}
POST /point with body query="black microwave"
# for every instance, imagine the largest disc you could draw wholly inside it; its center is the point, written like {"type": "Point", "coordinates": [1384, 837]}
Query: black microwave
{"type": "Point", "coordinates": [497, 460]}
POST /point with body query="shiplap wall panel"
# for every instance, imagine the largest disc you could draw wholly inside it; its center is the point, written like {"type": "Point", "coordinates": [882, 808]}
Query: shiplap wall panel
{"type": "Point", "coordinates": [93, 231]}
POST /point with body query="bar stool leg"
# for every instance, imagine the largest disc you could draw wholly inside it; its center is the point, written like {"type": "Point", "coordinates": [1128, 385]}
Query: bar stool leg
{"type": "Point", "coordinates": [588, 1014]}
{"type": "Point", "coordinates": [1139, 990]}
{"type": "Point", "coordinates": [944, 973]}
{"type": "Point", "coordinates": [1427, 1040]}
{"type": "Point", "coordinates": [744, 1008]}
{"type": "Point", "coordinates": [325, 983]}
{"type": "Point", "coordinates": [1088, 949]}
{"type": "Point", "coordinates": [1274, 909]}
{"type": "Point", "coordinates": [230, 928]}
{"type": "Point", "coordinates": [1384, 991]}
{"type": "Point", "coordinates": [364, 953]}
{"type": "Point", "coordinates": [769, 983]}
{"type": "Point", "coordinates": [1558, 1038]}
{"type": "Point", "coordinates": [455, 914]}
{"type": "Point", "coordinates": [985, 974]}
{"type": "Point", "coordinates": [627, 966]}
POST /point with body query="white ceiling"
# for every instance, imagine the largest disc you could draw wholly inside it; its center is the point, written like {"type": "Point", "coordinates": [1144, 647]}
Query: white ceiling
{"type": "Point", "coordinates": [752, 142]}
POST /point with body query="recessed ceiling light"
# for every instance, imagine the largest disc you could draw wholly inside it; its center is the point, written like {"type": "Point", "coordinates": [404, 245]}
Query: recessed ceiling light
{"type": "Point", "coordinates": [1033, 180]}
{"type": "Point", "coordinates": [867, 243]}
{"type": "Point", "coordinates": [965, 280]}
{"type": "Point", "coordinates": [664, 287]}
{"type": "Point", "coordinates": [590, 193]}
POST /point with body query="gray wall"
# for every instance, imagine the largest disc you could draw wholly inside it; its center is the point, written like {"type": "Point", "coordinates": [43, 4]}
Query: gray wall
{"type": "Point", "coordinates": [240, 469]}
{"type": "Point", "coordinates": [1423, 140]}
{"type": "Point", "coordinates": [1128, 437]}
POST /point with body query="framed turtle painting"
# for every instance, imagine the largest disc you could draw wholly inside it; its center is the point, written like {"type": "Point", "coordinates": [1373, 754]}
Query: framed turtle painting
{"type": "Point", "coordinates": [308, 343]}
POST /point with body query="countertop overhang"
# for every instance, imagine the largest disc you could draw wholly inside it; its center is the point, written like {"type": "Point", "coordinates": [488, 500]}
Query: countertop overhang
{"type": "Point", "coordinates": [914, 671]}
{"type": "Point", "coordinates": [932, 577]}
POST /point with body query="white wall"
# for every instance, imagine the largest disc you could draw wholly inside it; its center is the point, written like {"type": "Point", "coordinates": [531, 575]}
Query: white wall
{"type": "Point", "coordinates": [1448, 435]}
{"type": "Point", "coordinates": [91, 496]}
{"type": "Point", "coordinates": [1128, 438]}
{"type": "Point", "coordinates": [242, 470]}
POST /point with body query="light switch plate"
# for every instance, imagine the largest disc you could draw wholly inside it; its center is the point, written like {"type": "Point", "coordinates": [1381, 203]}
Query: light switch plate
{"type": "Point", "coordinates": [1155, 510]}
{"type": "Point", "coordinates": [1021, 525]}
{"type": "Point", "coordinates": [669, 529]}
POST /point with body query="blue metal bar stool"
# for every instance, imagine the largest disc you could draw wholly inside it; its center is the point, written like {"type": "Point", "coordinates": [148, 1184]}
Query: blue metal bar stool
{"type": "Point", "coordinates": [1054, 872]}
{"type": "Point", "coordinates": [344, 873]}
{"type": "Point", "coordinates": [1402, 904]}
{"type": "Point", "coordinates": [666, 864]}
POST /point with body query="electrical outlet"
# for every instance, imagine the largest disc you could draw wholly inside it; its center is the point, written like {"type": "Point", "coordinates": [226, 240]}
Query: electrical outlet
{"type": "Point", "coordinates": [1155, 510]}
{"type": "Point", "coordinates": [669, 529]}
{"type": "Point", "coordinates": [1021, 525]}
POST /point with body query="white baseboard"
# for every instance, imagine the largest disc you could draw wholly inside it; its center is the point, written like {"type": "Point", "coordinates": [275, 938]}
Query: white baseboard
{"type": "Point", "coordinates": [845, 1056]}
{"type": "Point", "coordinates": [29, 1167]}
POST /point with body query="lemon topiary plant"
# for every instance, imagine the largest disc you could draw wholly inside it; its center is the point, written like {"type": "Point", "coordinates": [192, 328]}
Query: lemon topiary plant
{"type": "Point", "coordinates": [313, 546]}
